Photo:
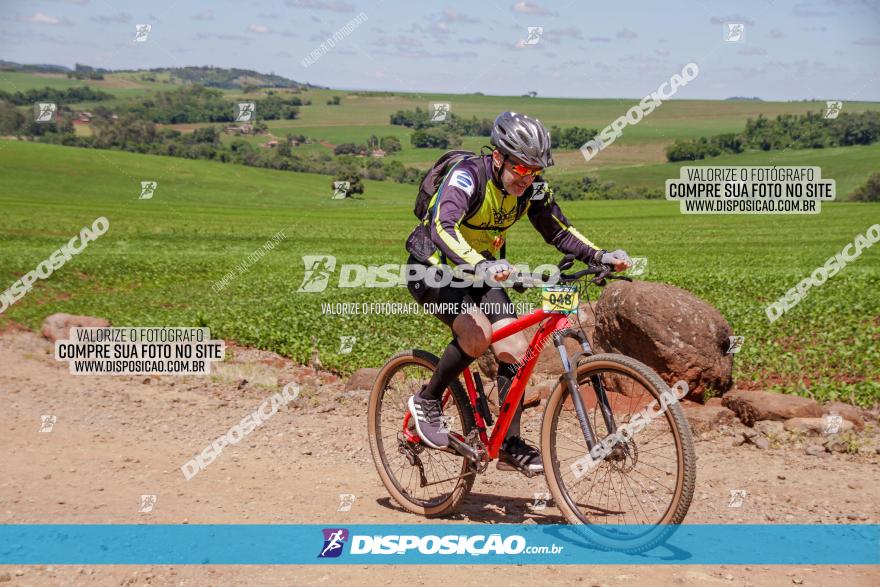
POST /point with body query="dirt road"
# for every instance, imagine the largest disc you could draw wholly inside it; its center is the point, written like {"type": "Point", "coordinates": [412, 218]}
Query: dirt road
{"type": "Point", "coordinates": [115, 439]}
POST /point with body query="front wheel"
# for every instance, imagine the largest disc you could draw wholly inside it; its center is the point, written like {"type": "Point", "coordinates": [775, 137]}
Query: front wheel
{"type": "Point", "coordinates": [630, 497]}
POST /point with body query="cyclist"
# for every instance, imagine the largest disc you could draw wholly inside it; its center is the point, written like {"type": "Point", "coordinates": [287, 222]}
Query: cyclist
{"type": "Point", "coordinates": [504, 181]}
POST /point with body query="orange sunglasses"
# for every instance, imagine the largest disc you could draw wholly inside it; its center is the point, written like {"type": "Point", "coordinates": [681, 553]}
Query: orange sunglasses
{"type": "Point", "coordinates": [524, 171]}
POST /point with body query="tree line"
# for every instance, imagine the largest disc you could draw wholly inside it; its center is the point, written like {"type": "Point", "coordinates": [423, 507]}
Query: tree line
{"type": "Point", "coordinates": [69, 95]}
{"type": "Point", "coordinates": [440, 134]}
{"type": "Point", "coordinates": [192, 104]}
{"type": "Point", "coordinates": [786, 131]}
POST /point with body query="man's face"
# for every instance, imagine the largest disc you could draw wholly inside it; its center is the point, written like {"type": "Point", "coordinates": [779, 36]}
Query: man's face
{"type": "Point", "coordinates": [513, 182]}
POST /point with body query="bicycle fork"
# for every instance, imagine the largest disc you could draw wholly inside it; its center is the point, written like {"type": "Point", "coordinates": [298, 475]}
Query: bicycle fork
{"type": "Point", "coordinates": [570, 376]}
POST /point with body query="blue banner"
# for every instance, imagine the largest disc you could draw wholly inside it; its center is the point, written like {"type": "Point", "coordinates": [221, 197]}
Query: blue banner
{"type": "Point", "coordinates": [231, 544]}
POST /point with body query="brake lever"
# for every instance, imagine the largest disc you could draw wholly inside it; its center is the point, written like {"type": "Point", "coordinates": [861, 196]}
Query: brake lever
{"type": "Point", "coordinates": [606, 273]}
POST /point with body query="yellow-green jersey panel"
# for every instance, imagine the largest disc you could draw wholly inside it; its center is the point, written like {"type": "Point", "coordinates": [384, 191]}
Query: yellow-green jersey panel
{"type": "Point", "coordinates": [469, 222]}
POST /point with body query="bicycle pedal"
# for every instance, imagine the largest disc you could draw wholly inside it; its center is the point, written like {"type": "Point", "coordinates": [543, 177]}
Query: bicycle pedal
{"type": "Point", "coordinates": [504, 466]}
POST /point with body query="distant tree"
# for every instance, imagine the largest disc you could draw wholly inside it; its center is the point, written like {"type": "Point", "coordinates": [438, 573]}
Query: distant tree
{"type": "Point", "coordinates": [356, 185]}
{"type": "Point", "coordinates": [434, 138]}
{"type": "Point", "coordinates": [390, 144]}
{"type": "Point", "coordinates": [570, 138]}
{"type": "Point", "coordinates": [870, 191]}
{"type": "Point", "coordinates": [345, 149]}
{"type": "Point", "coordinates": [12, 121]}
{"type": "Point", "coordinates": [334, 101]}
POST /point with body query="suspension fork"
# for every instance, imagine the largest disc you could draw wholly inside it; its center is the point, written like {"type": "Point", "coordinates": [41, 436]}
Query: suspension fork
{"type": "Point", "coordinates": [570, 376]}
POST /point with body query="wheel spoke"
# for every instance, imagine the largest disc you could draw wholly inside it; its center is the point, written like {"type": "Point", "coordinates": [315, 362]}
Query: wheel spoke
{"type": "Point", "coordinates": [442, 470]}
{"type": "Point", "coordinates": [628, 485]}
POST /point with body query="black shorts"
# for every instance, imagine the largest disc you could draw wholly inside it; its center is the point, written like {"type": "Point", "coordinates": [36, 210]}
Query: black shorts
{"type": "Point", "coordinates": [448, 303]}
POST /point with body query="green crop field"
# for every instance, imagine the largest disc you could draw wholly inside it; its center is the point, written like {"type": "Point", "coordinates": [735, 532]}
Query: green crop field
{"type": "Point", "coordinates": [121, 85]}
{"type": "Point", "coordinates": [848, 166]}
{"type": "Point", "coordinates": [157, 263]}
{"type": "Point", "coordinates": [636, 158]}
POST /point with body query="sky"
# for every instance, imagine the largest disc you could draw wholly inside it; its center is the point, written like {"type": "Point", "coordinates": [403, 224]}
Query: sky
{"type": "Point", "coordinates": [822, 49]}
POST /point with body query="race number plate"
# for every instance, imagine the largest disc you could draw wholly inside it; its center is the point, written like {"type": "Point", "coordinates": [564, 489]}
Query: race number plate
{"type": "Point", "coordinates": [560, 299]}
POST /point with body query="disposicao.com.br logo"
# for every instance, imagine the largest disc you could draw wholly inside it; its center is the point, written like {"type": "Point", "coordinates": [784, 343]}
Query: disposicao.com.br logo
{"type": "Point", "coordinates": [319, 269]}
{"type": "Point", "coordinates": [334, 540]}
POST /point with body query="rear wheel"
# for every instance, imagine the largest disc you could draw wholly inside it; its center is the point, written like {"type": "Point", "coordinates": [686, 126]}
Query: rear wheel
{"type": "Point", "coordinates": [426, 481]}
{"type": "Point", "coordinates": [631, 499]}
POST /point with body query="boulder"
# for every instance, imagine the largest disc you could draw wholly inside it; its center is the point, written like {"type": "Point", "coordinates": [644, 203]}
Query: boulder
{"type": "Point", "coordinates": [761, 442]}
{"type": "Point", "coordinates": [770, 427]}
{"type": "Point", "coordinates": [815, 450]}
{"type": "Point", "coordinates": [57, 326]}
{"type": "Point", "coordinates": [362, 379]}
{"type": "Point", "coordinates": [676, 334]}
{"type": "Point", "coordinates": [850, 413]}
{"type": "Point", "coordinates": [535, 394]}
{"type": "Point", "coordinates": [753, 406]}
{"type": "Point", "coordinates": [815, 426]}
{"type": "Point", "coordinates": [835, 444]}
{"type": "Point", "coordinates": [707, 418]}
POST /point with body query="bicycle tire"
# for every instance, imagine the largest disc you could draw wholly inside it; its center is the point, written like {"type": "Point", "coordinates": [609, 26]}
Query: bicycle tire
{"type": "Point", "coordinates": [686, 466]}
{"type": "Point", "coordinates": [420, 358]}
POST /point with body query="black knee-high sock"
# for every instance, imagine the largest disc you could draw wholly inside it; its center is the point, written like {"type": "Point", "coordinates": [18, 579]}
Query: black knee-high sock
{"type": "Point", "coordinates": [453, 362]}
{"type": "Point", "coordinates": [506, 373]}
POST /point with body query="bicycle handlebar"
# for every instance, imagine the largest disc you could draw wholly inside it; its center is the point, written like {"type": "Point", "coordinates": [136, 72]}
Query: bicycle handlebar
{"type": "Point", "coordinates": [601, 271]}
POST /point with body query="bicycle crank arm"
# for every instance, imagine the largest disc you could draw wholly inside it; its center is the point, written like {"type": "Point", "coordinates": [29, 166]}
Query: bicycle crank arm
{"type": "Point", "coordinates": [463, 448]}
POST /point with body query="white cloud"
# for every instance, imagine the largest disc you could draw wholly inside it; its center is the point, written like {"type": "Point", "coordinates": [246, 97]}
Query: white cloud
{"type": "Point", "coordinates": [40, 18]}
{"type": "Point", "coordinates": [331, 5]}
{"type": "Point", "coordinates": [626, 34]}
{"type": "Point", "coordinates": [119, 18]}
{"type": "Point", "coordinates": [524, 7]}
{"type": "Point", "coordinates": [259, 29]}
{"type": "Point", "coordinates": [724, 19]}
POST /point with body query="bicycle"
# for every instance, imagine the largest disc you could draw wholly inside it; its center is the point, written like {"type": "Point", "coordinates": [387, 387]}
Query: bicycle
{"type": "Point", "coordinates": [592, 402]}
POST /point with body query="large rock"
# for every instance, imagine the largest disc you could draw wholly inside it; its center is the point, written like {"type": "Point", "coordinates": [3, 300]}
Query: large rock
{"type": "Point", "coordinates": [57, 326]}
{"type": "Point", "coordinates": [707, 418]}
{"type": "Point", "coordinates": [535, 394]}
{"type": "Point", "coordinates": [676, 334]}
{"type": "Point", "coordinates": [815, 426]}
{"type": "Point", "coordinates": [848, 412]}
{"type": "Point", "coordinates": [770, 427]}
{"type": "Point", "coordinates": [362, 379]}
{"type": "Point", "coordinates": [752, 406]}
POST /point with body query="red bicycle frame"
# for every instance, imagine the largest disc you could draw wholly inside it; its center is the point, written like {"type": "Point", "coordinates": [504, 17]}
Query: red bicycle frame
{"type": "Point", "coordinates": [517, 389]}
